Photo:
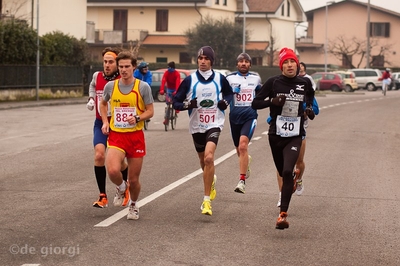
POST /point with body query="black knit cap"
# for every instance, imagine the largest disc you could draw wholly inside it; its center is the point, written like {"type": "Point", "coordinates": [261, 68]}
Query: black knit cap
{"type": "Point", "coordinates": [207, 51]}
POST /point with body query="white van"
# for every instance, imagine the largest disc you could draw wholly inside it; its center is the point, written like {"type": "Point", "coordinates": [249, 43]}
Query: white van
{"type": "Point", "coordinates": [367, 78]}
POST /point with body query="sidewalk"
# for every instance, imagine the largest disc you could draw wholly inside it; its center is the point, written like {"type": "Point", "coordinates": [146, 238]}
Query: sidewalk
{"type": "Point", "coordinates": [48, 102]}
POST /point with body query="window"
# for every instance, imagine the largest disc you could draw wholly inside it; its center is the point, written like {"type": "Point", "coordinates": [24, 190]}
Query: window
{"type": "Point", "coordinates": [379, 29]}
{"type": "Point", "coordinates": [121, 22]}
{"type": "Point", "coordinates": [184, 58]}
{"type": "Point", "coordinates": [283, 10]}
{"type": "Point", "coordinates": [346, 60]}
{"type": "Point", "coordinates": [225, 2]}
{"type": "Point", "coordinates": [162, 20]}
{"type": "Point", "coordinates": [378, 61]}
{"type": "Point", "coordinates": [161, 60]}
{"type": "Point", "coordinates": [329, 76]}
{"type": "Point", "coordinates": [288, 9]}
{"type": "Point", "coordinates": [257, 61]}
{"type": "Point", "coordinates": [217, 2]}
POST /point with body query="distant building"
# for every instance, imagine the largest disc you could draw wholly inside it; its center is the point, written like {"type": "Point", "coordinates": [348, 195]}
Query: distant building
{"type": "Point", "coordinates": [347, 20]}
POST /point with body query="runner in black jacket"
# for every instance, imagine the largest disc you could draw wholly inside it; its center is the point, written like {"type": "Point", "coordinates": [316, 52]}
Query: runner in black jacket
{"type": "Point", "coordinates": [285, 94]}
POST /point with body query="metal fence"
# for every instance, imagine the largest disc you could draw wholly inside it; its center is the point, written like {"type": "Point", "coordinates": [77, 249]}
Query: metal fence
{"type": "Point", "coordinates": [22, 76]}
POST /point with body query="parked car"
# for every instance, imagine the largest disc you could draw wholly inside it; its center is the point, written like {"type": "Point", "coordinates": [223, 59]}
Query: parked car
{"type": "Point", "coordinates": [395, 81]}
{"type": "Point", "coordinates": [328, 81]}
{"type": "Point", "coordinates": [368, 78]}
{"type": "Point", "coordinates": [349, 80]}
{"type": "Point", "coordinates": [156, 81]}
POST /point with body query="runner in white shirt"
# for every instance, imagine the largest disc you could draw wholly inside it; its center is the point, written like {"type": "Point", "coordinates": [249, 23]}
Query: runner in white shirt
{"type": "Point", "coordinates": [243, 118]}
{"type": "Point", "coordinates": [206, 95]}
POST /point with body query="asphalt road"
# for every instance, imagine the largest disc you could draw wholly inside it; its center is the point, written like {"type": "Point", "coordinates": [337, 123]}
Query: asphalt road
{"type": "Point", "coordinates": [347, 215]}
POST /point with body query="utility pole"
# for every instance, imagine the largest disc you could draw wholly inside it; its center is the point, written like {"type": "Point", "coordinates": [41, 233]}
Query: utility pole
{"type": "Point", "coordinates": [368, 34]}
{"type": "Point", "coordinates": [244, 25]}
{"type": "Point", "coordinates": [37, 53]}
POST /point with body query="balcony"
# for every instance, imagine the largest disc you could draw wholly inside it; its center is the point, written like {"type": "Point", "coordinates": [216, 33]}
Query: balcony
{"type": "Point", "coordinates": [109, 36]}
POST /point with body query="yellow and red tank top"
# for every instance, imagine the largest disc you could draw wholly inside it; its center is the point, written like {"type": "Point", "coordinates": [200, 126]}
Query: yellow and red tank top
{"type": "Point", "coordinates": [125, 105]}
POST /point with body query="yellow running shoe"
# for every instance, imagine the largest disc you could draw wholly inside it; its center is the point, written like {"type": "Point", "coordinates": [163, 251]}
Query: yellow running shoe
{"type": "Point", "coordinates": [206, 208]}
{"type": "Point", "coordinates": [213, 192]}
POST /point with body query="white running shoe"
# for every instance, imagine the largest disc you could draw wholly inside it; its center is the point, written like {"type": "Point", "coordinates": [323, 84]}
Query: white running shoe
{"type": "Point", "coordinates": [300, 187]}
{"type": "Point", "coordinates": [120, 196]}
{"type": "Point", "coordinates": [279, 201]}
{"type": "Point", "coordinates": [133, 213]}
{"type": "Point", "coordinates": [248, 168]}
{"type": "Point", "coordinates": [240, 188]}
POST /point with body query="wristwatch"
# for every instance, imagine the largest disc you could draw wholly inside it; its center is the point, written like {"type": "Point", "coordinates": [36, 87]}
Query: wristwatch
{"type": "Point", "coordinates": [137, 118]}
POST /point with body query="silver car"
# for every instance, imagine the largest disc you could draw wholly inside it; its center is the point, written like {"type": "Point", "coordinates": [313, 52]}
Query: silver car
{"type": "Point", "coordinates": [368, 78]}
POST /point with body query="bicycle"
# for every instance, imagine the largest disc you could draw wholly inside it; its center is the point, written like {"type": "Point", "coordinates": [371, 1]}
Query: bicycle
{"type": "Point", "coordinates": [170, 114]}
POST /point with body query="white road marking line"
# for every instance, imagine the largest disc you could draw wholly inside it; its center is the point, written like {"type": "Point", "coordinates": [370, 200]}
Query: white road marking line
{"type": "Point", "coordinates": [112, 219]}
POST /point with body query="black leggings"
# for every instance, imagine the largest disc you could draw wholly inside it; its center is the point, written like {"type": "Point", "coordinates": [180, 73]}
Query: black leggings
{"type": "Point", "coordinates": [285, 152]}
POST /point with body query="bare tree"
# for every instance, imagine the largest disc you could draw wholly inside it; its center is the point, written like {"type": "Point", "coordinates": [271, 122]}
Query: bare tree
{"type": "Point", "coordinates": [344, 50]}
{"type": "Point", "coordinates": [272, 51]}
{"type": "Point", "coordinates": [11, 10]}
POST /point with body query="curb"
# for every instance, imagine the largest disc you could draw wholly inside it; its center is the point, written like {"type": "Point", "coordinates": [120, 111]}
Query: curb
{"type": "Point", "coordinates": [29, 104]}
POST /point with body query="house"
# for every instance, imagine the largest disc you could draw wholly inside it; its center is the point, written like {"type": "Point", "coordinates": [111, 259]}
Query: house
{"type": "Point", "coordinates": [68, 17]}
{"type": "Point", "coordinates": [159, 26]}
{"type": "Point", "coordinates": [343, 26]}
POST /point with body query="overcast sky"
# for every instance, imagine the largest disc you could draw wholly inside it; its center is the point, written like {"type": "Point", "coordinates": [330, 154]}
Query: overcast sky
{"type": "Point", "coordinates": [388, 4]}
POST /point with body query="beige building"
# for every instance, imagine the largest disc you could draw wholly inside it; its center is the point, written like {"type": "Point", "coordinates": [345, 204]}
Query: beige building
{"type": "Point", "coordinates": [68, 17]}
{"type": "Point", "coordinates": [345, 28]}
{"type": "Point", "coordinates": [159, 26]}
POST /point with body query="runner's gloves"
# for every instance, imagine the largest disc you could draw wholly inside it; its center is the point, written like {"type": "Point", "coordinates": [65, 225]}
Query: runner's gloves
{"type": "Point", "coordinates": [310, 112]}
{"type": "Point", "coordinates": [222, 104]}
{"type": "Point", "coordinates": [278, 100]}
{"type": "Point", "coordinates": [90, 104]}
{"type": "Point", "coordinates": [190, 105]}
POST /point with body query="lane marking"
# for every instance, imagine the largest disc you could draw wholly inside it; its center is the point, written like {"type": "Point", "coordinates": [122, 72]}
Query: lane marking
{"type": "Point", "coordinates": [112, 219]}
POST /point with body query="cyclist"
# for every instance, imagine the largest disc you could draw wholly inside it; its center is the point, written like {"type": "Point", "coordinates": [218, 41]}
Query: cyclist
{"type": "Point", "coordinates": [143, 73]}
{"type": "Point", "coordinates": [172, 78]}
{"type": "Point", "coordinates": [386, 80]}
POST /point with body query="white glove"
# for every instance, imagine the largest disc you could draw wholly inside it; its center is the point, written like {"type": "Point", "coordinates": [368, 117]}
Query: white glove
{"type": "Point", "coordinates": [90, 104]}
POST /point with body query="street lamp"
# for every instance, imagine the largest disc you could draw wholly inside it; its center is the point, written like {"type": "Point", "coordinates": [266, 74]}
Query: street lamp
{"type": "Point", "coordinates": [368, 34]}
{"type": "Point", "coordinates": [37, 53]}
{"type": "Point", "coordinates": [326, 34]}
{"type": "Point", "coordinates": [245, 9]}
